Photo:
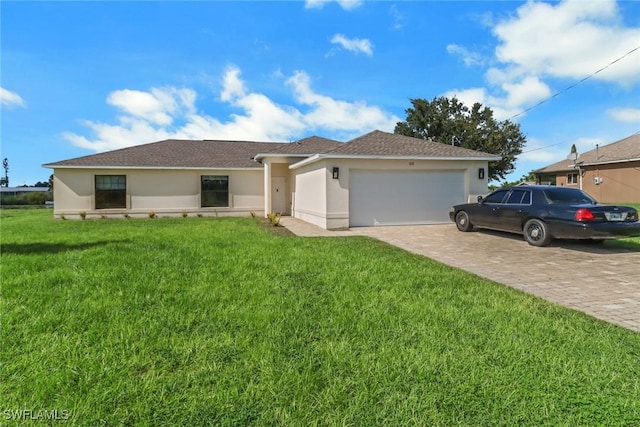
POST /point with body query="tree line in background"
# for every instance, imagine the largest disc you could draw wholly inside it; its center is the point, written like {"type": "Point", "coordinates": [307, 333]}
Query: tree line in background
{"type": "Point", "coordinates": [30, 198]}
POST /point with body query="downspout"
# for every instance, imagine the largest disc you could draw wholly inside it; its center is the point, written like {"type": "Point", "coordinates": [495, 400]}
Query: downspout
{"type": "Point", "coordinates": [580, 176]}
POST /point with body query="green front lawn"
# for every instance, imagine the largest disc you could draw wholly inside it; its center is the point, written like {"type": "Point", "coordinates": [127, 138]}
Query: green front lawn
{"type": "Point", "coordinates": [206, 321]}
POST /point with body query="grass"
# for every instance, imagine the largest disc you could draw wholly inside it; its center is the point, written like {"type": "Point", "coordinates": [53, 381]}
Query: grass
{"type": "Point", "coordinates": [218, 321]}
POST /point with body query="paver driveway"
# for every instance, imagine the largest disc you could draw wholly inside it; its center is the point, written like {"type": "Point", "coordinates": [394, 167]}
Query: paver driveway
{"type": "Point", "coordinates": [597, 280]}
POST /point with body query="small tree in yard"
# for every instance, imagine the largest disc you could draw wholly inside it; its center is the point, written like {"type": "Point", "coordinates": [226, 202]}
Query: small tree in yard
{"type": "Point", "coordinates": [449, 121]}
{"type": "Point", "coordinates": [5, 165]}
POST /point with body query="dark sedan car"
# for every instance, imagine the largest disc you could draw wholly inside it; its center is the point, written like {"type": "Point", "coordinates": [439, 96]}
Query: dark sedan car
{"type": "Point", "coordinates": [543, 213]}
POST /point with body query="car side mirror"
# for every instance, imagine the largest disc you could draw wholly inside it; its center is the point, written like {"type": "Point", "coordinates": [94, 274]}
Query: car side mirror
{"type": "Point", "coordinates": [479, 199]}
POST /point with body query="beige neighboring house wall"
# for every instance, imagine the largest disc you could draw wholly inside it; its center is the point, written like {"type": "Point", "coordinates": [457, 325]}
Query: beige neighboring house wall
{"type": "Point", "coordinates": [165, 192]}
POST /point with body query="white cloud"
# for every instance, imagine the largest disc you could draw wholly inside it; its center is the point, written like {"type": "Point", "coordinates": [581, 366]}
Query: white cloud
{"type": "Point", "coordinates": [156, 106]}
{"type": "Point", "coordinates": [528, 91]}
{"type": "Point", "coordinates": [338, 115]}
{"type": "Point", "coordinates": [233, 87]}
{"type": "Point", "coordinates": [397, 17]}
{"type": "Point", "coordinates": [10, 99]}
{"type": "Point", "coordinates": [162, 113]}
{"type": "Point", "coordinates": [128, 132]}
{"type": "Point", "coordinates": [469, 58]}
{"type": "Point", "coordinates": [625, 115]}
{"type": "Point", "coordinates": [353, 45]}
{"type": "Point", "coordinates": [345, 4]}
{"type": "Point", "coordinates": [570, 39]}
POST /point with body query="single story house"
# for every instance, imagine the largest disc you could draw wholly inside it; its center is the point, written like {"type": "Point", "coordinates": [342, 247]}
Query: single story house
{"type": "Point", "coordinates": [376, 179]}
{"type": "Point", "coordinates": [610, 173]}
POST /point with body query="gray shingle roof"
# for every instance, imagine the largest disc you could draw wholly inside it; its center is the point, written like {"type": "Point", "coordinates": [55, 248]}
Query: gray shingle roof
{"type": "Point", "coordinates": [308, 146]}
{"type": "Point", "coordinates": [378, 143]}
{"type": "Point", "coordinates": [178, 153]}
{"type": "Point", "coordinates": [620, 151]}
{"type": "Point", "coordinates": [198, 154]}
{"type": "Point", "coordinates": [174, 153]}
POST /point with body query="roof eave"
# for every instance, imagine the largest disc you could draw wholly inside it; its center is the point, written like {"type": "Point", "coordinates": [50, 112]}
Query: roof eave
{"type": "Point", "coordinates": [263, 155]}
{"type": "Point", "coordinates": [53, 166]}
{"type": "Point", "coordinates": [611, 161]}
{"type": "Point", "coordinates": [318, 157]}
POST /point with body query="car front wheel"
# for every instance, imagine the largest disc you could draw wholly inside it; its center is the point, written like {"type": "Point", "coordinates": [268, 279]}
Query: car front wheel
{"type": "Point", "coordinates": [536, 233]}
{"type": "Point", "coordinates": [462, 221]}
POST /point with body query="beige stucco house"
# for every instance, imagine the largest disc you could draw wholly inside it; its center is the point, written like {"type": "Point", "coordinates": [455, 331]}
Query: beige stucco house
{"type": "Point", "coordinates": [610, 173]}
{"type": "Point", "coordinates": [376, 179]}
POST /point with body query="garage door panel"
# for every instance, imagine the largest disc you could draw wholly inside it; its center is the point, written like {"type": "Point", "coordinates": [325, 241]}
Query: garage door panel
{"type": "Point", "coordinates": [403, 197]}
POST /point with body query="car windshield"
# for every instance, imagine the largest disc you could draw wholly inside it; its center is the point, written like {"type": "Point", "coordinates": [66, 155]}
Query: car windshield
{"type": "Point", "coordinates": [568, 196]}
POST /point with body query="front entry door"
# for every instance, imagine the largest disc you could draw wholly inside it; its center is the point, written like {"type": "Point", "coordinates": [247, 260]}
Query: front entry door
{"type": "Point", "coordinates": [279, 195]}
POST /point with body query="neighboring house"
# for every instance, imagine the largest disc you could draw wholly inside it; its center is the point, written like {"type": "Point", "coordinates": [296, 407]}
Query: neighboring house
{"type": "Point", "coordinates": [610, 173]}
{"type": "Point", "coordinates": [19, 191]}
{"type": "Point", "coordinates": [376, 179]}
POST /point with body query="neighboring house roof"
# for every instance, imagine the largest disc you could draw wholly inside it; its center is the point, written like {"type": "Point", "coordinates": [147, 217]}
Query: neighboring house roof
{"type": "Point", "coordinates": [624, 150]}
{"type": "Point", "coordinates": [24, 189]}
{"type": "Point", "coordinates": [173, 153]}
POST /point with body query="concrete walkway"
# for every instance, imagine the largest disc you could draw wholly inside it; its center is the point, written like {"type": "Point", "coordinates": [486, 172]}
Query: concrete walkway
{"type": "Point", "coordinates": [598, 280]}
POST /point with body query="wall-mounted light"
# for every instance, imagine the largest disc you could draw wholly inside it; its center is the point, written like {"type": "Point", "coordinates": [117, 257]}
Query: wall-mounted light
{"type": "Point", "coordinates": [481, 173]}
{"type": "Point", "coordinates": [336, 173]}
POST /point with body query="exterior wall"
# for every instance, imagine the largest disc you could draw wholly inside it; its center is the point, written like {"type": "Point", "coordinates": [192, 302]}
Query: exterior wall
{"type": "Point", "coordinates": [72, 191]}
{"type": "Point", "coordinates": [309, 194]}
{"type": "Point", "coordinates": [165, 192]}
{"type": "Point", "coordinates": [561, 180]}
{"type": "Point", "coordinates": [620, 182]}
{"type": "Point", "coordinates": [315, 181]}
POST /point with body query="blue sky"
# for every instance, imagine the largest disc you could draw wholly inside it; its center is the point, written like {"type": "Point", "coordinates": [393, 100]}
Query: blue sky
{"type": "Point", "coordinates": [84, 77]}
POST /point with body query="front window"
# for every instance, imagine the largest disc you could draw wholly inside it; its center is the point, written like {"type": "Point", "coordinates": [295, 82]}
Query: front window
{"type": "Point", "coordinates": [111, 191]}
{"type": "Point", "coordinates": [572, 178]}
{"type": "Point", "coordinates": [214, 191]}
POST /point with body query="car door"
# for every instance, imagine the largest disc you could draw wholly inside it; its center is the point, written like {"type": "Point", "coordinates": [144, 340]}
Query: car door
{"type": "Point", "coordinates": [485, 214]}
{"type": "Point", "coordinates": [514, 209]}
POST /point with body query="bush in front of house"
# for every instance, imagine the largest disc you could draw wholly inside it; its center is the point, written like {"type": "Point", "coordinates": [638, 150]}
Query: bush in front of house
{"type": "Point", "coordinates": [35, 198]}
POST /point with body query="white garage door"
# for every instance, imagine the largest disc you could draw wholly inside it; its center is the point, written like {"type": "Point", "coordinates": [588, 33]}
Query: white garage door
{"type": "Point", "coordinates": [403, 197]}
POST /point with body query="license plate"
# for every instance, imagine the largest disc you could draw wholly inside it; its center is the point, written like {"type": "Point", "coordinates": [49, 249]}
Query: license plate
{"type": "Point", "coordinates": [614, 216]}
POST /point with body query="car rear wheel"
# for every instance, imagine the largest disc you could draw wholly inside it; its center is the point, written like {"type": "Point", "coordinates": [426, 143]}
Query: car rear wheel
{"type": "Point", "coordinates": [462, 221]}
{"type": "Point", "coordinates": [536, 233]}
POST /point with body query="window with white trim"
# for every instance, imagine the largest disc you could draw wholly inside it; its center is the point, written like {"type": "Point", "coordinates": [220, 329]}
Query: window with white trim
{"type": "Point", "coordinates": [572, 178]}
